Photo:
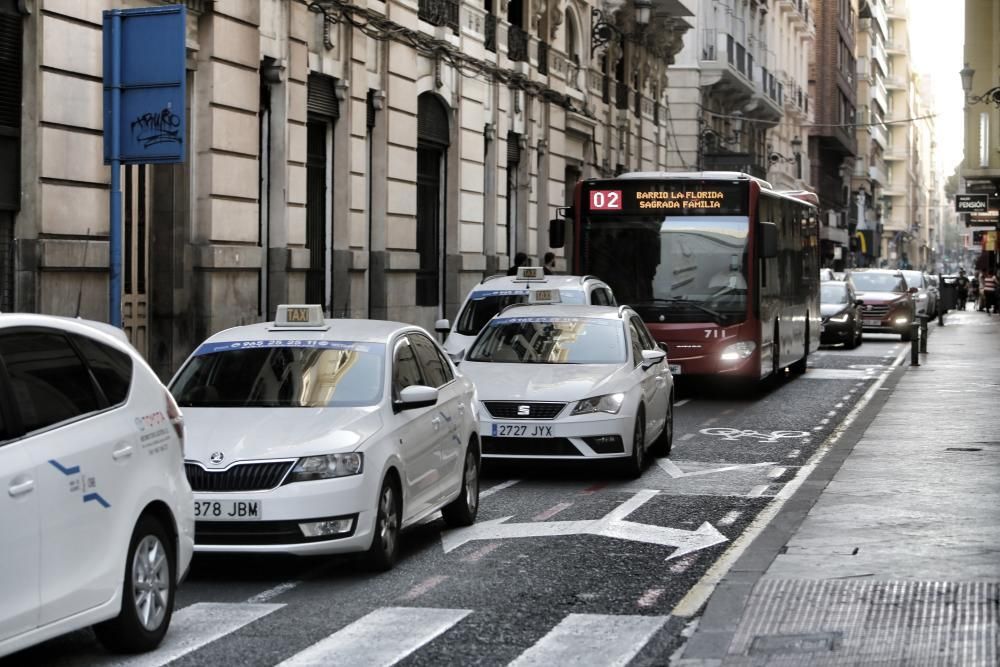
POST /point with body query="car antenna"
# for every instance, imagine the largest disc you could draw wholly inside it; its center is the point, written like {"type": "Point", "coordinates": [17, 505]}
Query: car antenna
{"type": "Point", "coordinates": [79, 294]}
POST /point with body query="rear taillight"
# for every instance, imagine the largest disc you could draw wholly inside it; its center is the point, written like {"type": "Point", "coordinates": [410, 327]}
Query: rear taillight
{"type": "Point", "coordinates": [176, 418]}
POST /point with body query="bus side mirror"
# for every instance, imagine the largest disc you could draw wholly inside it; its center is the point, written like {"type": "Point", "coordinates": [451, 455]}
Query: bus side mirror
{"type": "Point", "coordinates": [768, 240]}
{"type": "Point", "coordinates": [557, 233]}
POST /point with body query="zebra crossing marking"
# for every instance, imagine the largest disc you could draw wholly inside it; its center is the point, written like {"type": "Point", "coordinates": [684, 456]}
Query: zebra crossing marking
{"type": "Point", "coordinates": [594, 639]}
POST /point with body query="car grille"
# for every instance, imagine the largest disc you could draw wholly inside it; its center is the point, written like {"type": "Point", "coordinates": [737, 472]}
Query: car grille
{"type": "Point", "coordinates": [261, 532]}
{"type": "Point", "coordinates": [875, 310]}
{"type": "Point", "coordinates": [515, 409]}
{"type": "Point", "coordinates": [528, 447]}
{"type": "Point", "coordinates": [240, 477]}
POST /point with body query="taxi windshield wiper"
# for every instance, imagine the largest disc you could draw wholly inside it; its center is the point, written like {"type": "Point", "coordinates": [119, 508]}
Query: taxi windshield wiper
{"type": "Point", "coordinates": [678, 300]}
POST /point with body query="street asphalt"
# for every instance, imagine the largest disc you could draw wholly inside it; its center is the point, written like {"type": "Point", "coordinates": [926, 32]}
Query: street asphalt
{"type": "Point", "coordinates": [566, 564]}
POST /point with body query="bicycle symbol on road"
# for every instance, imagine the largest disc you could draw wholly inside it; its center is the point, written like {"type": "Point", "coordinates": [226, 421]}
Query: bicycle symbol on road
{"type": "Point", "coordinates": [733, 434]}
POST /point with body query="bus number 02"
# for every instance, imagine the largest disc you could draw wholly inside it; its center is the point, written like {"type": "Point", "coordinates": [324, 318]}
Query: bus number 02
{"type": "Point", "coordinates": [605, 200]}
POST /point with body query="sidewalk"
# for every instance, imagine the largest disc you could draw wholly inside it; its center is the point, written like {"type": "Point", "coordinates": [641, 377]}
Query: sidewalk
{"type": "Point", "coordinates": [889, 553]}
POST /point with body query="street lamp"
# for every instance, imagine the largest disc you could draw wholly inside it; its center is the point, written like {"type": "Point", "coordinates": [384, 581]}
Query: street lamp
{"type": "Point", "coordinates": [990, 96]}
{"type": "Point", "coordinates": [604, 31]}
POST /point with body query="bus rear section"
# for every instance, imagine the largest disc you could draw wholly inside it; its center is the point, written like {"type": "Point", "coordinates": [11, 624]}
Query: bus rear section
{"type": "Point", "coordinates": [718, 266]}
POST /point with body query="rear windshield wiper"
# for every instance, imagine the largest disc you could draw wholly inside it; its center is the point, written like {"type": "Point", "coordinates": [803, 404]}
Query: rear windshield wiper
{"type": "Point", "coordinates": [678, 300]}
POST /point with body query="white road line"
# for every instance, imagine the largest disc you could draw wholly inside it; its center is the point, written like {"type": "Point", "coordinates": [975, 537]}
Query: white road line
{"type": "Point", "coordinates": [757, 492]}
{"type": "Point", "coordinates": [681, 402]}
{"type": "Point", "coordinates": [817, 428]}
{"type": "Point", "coordinates": [687, 436]}
{"type": "Point", "coordinates": [551, 512]}
{"type": "Point", "coordinates": [831, 413]}
{"type": "Point", "coordinates": [272, 593]}
{"type": "Point", "coordinates": [424, 586]}
{"type": "Point", "coordinates": [499, 487]}
{"type": "Point", "coordinates": [729, 411]}
{"type": "Point", "coordinates": [650, 597]}
{"type": "Point", "coordinates": [680, 566]}
{"type": "Point", "coordinates": [194, 627]}
{"type": "Point", "coordinates": [793, 454]}
{"type": "Point", "coordinates": [729, 519]}
{"type": "Point", "coordinates": [382, 638]}
{"type": "Point", "coordinates": [593, 639]}
{"type": "Point", "coordinates": [479, 554]}
{"type": "Point", "coordinates": [838, 406]}
{"type": "Point", "coordinates": [700, 592]}
{"type": "Point", "coordinates": [710, 421]}
{"type": "Point", "coordinates": [824, 421]}
{"type": "Point", "coordinates": [776, 473]}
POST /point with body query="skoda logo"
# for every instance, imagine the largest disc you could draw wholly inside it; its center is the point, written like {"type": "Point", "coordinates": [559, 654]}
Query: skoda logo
{"type": "Point", "coordinates": [216, 458]}
{"type": "Point", "coordinates": [523, 410]}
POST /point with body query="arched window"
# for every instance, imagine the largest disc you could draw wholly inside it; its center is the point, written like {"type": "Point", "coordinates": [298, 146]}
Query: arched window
{"type": "Point", "coordinates": [433, 138]}
{"type": "Point", "coordinates": [572, 38]}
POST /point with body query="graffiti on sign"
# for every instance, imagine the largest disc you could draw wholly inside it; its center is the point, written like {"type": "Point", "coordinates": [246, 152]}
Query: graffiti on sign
{"type": "Point", "coordinates": [150, 129]}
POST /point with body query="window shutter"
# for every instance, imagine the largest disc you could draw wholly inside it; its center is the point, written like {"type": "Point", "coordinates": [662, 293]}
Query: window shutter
{"type": "Point", "coordinates": [323, 95]}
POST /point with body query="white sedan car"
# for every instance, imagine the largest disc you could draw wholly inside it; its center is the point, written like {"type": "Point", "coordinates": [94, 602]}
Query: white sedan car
{"type": "Point", "coordinates": [96, 522]}
{"type": "Point", "coordinates": [313, 436]}
{"type": "Point", "coordinates": [571, 383]}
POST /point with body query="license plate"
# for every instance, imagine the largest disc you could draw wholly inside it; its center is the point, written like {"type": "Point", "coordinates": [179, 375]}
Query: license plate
{"type": "Point", "coordinates": [872, 323]}
{"type": "Point", "coordinates": [522, 431]}
{"type": "Point", "coordinates": [227, 510]}
{"type": "Point", "coordinates": [675, 369]}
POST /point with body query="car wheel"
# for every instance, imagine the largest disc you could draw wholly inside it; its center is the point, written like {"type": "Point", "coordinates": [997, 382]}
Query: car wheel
{"type": "Point", "coordinates": [147, 591]}
{"type": "Point", "coordinates": [382, 553]}
{"type": "Point", "coordinates": [637, 461]}
{"type": "Point", "coordinates": [462, 510]}
{"type": "Point", "coordinates": [663, 444]}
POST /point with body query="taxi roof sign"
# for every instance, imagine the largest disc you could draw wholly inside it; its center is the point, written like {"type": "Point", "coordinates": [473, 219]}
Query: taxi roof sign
{"type": "Point", "coordinates": [530, 273]}
{"type": "Point", "coordinates": [542, 296]}
{"type": "Point", "coordinates": [300, 316]}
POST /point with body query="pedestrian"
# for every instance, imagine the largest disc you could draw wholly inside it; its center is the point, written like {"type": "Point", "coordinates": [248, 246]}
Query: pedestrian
{"type": "Point", "coordinates": [989, 286]}
{"type": "Point", "coordinates": [520, 259]}
{"type": "Point", "coordinates": [549, 263]}
{"type": "Point", "coordinates": [962, 289]}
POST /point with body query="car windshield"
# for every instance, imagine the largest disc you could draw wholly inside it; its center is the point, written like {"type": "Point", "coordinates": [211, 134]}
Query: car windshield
{"type": "Point", "coordinates": [550, 340]}
{"type": "Point", "coordinates": [483, 305]}
{"type": "Point", "coordinates": [282, 374]}
{"type": "Point", "coordinates": [878, 282]}
{"type": "Point", "coordinates": [833, 293]}
{"type": "Point", "coordinates": [914, 279]}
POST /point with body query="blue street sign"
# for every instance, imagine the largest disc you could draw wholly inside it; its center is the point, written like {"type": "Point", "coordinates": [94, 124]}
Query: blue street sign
{"type": "Point", "coordinates": [147, 52]}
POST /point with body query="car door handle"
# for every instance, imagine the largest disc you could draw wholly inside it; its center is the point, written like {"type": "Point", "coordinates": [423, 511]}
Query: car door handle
{"type": "Point", "coordinates": [16, 490]}
{"type": "Point", "coordinates": [437, 423]}
{"type": "Point", "coordinates": [461, 408]}
{"type": "Point", "coordinates": [122, 453]}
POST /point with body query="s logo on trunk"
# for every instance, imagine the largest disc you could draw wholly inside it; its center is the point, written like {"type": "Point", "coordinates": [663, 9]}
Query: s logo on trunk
{"type": "Point", "coordinates": [216, 458]}
{"type": "Point", "coordinates": [523, 410]}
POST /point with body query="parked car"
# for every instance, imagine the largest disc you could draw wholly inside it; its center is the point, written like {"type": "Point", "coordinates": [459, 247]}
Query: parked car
{"type": "Point", "coordinates": [497, 292]}
{"type": "Point", "coordinates": [572, 383]}
{"type": "Point", "coordinates": [96, 524]}
{"type": "Point", "coordinates": [316, 436]}
{"type": "Point", "coordinates": [840, 309]}
{"type": "Point", "coordinates": [925, 299]}
{"type": "Point", "coordinates": [888, 306]}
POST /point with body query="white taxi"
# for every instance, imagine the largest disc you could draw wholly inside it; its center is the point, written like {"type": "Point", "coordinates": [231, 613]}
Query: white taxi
{"type": "Point", "coordinates": [571, 383]}
{"type": "Point", "coordinates": [497, 292]}
{"type": "Point", "coordinates": [96, 522]}
{"type": "Point", "coordinates": [314, 436]}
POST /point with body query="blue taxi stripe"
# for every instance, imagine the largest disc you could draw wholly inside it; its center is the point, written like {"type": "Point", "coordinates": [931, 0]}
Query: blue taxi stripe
{"type": "Point", "coordinates": [96, 497]}
{"type": "Point", "coordinates": [75, 470]}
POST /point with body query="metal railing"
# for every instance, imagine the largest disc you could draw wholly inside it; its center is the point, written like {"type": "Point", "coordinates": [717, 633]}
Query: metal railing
{"type": "Point", "coordinates": [439, 13]}
{"type": "Point", "coordinates": [543, 57]}
{"type": "Point", "coordinates": [517, 44]}
{"type": "Point", "coordinates": [490, 33]}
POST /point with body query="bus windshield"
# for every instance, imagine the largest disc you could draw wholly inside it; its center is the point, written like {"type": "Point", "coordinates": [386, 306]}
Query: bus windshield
{"type": "Point", "coordinates": [672, 268]}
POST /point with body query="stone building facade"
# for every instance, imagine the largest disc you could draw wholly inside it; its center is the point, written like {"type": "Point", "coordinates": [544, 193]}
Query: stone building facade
{"type": "Point", "coordinates": [376, 157]}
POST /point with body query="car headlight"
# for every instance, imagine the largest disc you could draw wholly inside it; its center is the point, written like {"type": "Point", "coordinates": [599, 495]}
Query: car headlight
{"type": "Point", "coordinates": [737, 351]}
{"type": "Point", "coordinates": [326, 466]}
{"type": "Point", "coordinates": [921, 297]}
{"type": "Point", "coordinates": [610, 403]}
{"type": "Point", "coordinates": [840, 318]}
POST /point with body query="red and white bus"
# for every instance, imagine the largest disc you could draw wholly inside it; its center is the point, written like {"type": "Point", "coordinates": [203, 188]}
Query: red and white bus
{"type": "Point", "coordinates": [722, 268]}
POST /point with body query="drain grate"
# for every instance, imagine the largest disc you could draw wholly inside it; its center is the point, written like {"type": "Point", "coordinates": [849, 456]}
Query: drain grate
{"type": "Point", "coordinates": [807, 643]}
{"type": "Point", "coordinates": [963, 449]}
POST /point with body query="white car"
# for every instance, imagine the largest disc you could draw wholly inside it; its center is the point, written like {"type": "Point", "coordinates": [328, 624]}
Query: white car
{"type": "Point", "coordinates": [313, 436]}
{"type": "Point", "coordinates": [572, 383]}
{"type": "Point", "coordinates": [97, 521]}
{"type": "Point", "coordinates": [497, 292]}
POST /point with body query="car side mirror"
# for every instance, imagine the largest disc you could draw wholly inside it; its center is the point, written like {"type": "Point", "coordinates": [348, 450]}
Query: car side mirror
{"type": "Point", "coordinates": [652, 357]}
{"type": "Point", "coordinates": [416, 396]}
{"type": "Point", "coordinates": [456, 357]}
{"type": "Point", "coordinates": [913, 290]}
{"type": "Point", "coordinates": [442, 326]}
{"type": "Point", "coordinates": [768, 240]}
{"type": "Point", "coordinates": [859, 302]}
{"type": "Point", "coordinates": [557, 233]}
{"type": "Point", "coordinates": [663, 346]}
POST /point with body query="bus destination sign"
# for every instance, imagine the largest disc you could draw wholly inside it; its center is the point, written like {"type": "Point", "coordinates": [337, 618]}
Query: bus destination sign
{"type": "Point", "coordinates": [671, 198]}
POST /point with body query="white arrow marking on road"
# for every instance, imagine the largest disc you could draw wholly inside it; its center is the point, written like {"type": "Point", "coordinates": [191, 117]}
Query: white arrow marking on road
{"type": "Point", "coordinates": [610, 525]}
{"type": "Point", "coordinates": [671, 468]}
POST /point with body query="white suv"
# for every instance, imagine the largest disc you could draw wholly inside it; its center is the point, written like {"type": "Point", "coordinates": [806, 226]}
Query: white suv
{"type": "Point", "coordinates": [497, 292]}
{"type": "Point", "coordinates": [97, 521]}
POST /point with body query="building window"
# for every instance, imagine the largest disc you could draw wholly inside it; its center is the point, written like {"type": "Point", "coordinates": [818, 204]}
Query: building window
{"type": "Point", "coordinates": [513, 192]}
{"type": "Point", "coordinates": [324, 109]}
{"type": "Point", "coordinates": [433, 138]}
{"type": "Point", "coordinates": [10, 146]}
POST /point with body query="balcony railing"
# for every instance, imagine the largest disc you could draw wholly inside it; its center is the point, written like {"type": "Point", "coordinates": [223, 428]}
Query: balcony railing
{"type": "Point", "coordinates": [439, 13]}
{"type": "Point", "coordinates": [709, 44]}
{"type": "Point", "coordinates": [517, 44]}
{"type": "Point", "coordinates": [543, 57]}
{"type": "Point", "coordinates": [621, 95]}
{"type": "Point", "coordinates": [491, 33]}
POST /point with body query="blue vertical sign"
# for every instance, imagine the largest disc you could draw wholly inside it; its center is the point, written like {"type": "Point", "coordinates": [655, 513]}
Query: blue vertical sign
{"type": "Point", "coordinates": [144, 106]}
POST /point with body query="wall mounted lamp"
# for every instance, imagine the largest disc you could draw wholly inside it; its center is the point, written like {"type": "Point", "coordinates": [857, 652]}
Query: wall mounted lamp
{"type": "Point", "coordinates": [991, 96]}
{"type": "Point", "coordinates": [605, 30]}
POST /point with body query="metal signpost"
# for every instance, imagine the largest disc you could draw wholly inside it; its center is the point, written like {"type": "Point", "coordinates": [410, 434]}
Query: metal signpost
{"type": "Point", "coordinates": [144, 107]}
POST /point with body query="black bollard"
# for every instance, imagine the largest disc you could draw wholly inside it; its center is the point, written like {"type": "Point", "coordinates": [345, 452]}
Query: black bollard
{"type": "Point", "coordinates": [923, 334]}
{"type": "Point", "coordinates": [914, 343]}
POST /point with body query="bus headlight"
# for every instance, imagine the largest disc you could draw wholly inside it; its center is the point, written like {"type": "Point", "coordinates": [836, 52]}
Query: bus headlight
{"type": "Point", "coordinates": [738, 351]}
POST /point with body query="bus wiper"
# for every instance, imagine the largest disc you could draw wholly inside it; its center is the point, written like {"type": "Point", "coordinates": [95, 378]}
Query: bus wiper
{"type": "Point", "coordinates": [694, 304]}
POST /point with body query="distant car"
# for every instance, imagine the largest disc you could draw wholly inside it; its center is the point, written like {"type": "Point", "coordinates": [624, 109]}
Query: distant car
{"type": "Point", "coordinates": [96, 524]}
{"type": "Point", "coordinates": [322, 436]}
{"type": "Point", "coordinates": [572, 383]}
{"type": "Point", "coordinates": [925, 299]}
{"type": "Point", "coordinates": [497, 292]}
{"type": "Point", "coordinates": [826, 275]}
{"type": "Point", "coordinates": [888, 306]}
{"type": "Point", "coordinates": [841, 312]}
